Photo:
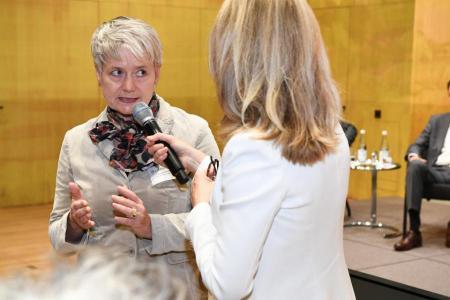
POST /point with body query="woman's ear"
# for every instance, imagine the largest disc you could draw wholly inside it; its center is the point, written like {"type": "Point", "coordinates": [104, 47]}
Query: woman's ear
{"type": "Point", "coordinates": [98, 75]}
{"type": "Point", "coordinates": [157, 69]}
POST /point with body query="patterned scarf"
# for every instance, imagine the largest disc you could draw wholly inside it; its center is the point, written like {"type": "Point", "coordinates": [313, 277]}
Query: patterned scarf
{"type": "Point", "coordinates": [130, 147]}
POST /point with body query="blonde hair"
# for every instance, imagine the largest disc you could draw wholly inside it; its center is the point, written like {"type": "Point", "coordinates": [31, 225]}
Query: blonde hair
{"type": "Point", "coordinates": [136, 35]}
{"type": "Point", "coordinates": [272, 74]}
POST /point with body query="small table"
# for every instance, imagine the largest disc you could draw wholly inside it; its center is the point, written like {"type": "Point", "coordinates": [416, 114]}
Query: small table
{"type": "Point", "coordinates": [374, 168]}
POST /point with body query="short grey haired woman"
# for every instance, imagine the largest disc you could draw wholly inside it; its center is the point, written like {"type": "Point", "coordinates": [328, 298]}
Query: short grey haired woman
{"type": "Point", "coordinates": [109, 191]}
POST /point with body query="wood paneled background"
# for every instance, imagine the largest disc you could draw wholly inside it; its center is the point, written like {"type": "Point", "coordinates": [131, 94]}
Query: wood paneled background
{"type": "Point", "coordinates": [393, 56]}
{"type": "Point", "coordinates": [389, 55]}
{"type": "Point", "coordinates": [48, 84]}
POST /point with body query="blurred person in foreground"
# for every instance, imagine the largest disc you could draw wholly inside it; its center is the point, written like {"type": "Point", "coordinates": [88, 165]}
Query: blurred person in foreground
{"type": "Point", "coordinates": [108, 189]}
{"type": "Point", "coordinates": [101, 275]}
{"type": "Point", "coordinates": [270, 224]}
{"type": "Point", "coordinates": [428, 162]}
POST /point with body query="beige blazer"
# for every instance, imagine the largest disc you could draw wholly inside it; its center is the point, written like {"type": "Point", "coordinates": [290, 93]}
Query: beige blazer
{"type": "Point", "coordinates": [168, 204]}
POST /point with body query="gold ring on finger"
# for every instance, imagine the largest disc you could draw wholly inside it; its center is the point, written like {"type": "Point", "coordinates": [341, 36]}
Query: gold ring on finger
{"type": "Point", "coordinates": [133, 213]}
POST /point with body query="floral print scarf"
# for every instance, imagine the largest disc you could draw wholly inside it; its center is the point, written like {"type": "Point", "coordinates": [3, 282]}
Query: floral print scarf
{"type": "Point", "coordinates": [130, 147]}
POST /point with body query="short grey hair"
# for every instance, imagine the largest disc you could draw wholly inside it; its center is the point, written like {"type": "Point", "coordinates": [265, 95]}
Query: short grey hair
{"type": "Point", "coordinates": [100, 274]}
{"type": "Point", "coordinates": [134, 34]}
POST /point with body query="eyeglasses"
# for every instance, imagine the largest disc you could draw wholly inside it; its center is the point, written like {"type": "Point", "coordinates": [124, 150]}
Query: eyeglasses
{"type": "Point", "coordinates": [211, 171]}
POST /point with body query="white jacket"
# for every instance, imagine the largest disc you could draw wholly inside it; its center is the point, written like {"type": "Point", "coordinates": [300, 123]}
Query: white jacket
{"type": "Point", "coordinates": [273, 230]}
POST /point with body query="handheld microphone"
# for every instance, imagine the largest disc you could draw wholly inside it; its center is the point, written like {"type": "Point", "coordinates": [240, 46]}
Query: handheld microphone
{"type": "Point", "coordinates": [143, 115]}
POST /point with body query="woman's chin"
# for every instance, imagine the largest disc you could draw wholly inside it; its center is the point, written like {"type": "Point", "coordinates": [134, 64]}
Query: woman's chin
{"type": "Point", "coordinates": [125, 108]}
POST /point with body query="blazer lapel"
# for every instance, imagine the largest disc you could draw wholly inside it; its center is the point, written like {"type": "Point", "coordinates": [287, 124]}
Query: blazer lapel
{"type": "Point", "coordinates": [164, 117]}
{"type": "Point", "coordinates": [106, 146]}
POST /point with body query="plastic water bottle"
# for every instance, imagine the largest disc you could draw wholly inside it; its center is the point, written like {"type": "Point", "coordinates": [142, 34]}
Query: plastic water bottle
{"type": "Point", "coordinates": [362, 148]}
{"type": "Point", "coordinates": [383, 154]}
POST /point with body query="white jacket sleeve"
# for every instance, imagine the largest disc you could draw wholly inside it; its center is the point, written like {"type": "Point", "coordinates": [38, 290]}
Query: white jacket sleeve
{"type": "Point", "coordinates": [168, 232]}
{"type": "Point", "coordinates": [228, 245]}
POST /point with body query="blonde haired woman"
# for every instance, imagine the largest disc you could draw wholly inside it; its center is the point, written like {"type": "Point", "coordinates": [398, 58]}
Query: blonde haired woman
{"type": "Point", "coordinates": [270, 225]}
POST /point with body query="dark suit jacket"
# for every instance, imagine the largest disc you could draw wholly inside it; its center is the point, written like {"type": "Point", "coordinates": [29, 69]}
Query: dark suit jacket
{"type": "Point", "coordinates": [430, 142]}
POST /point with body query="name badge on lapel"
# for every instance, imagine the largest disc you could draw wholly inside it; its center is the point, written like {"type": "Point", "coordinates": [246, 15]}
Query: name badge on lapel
{"type": "Point", "coordinates": [159, 174]}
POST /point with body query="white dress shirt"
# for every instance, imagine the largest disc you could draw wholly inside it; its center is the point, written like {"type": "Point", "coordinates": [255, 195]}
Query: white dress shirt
{"type": "Point", "coordinates": [444, 158]}
{"type": "Point", "coordinates": [274, 229]}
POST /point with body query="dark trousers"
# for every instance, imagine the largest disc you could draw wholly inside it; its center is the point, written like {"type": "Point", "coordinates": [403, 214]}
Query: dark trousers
{"type": "Point", "coordinates": [418, 174]}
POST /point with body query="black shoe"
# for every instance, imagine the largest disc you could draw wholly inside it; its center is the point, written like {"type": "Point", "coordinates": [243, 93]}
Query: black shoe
{"type": "Point", "coordinates": [410, 241]}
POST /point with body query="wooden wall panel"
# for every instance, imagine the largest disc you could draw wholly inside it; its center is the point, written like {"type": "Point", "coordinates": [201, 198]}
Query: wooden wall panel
{"type": "Point", "coordinates": [200, 4]}
{"type": "Point", "coordinates": [431, 60]}
{"type": "Point", "coordinates": [397, 61]}
{"type": "Point", "coordinates": [208, 106]}
{"type": "Point", "coordinates": [382, 57]}
{"type": "Point", "coordinates": [381, 54]}
{"type": "Point", "coordinates": [370, 49]}
{"type": "Point", "coordinates": [44, 89]}
{"type": "Point", "coordinates": [315, 4]}
{"type": "Point", "coordinates": [48, 82]}
{"type": "Point", "coordinates": [334, 25]}
{"type": "Point", "coordinates": [379, 79]}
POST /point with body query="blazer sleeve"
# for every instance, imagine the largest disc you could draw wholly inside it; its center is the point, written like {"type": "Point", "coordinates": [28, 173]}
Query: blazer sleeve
{"type": "Point", "coordinates": [61, 204]}
{"type": "Point", "coordinates": [228, 249]}
{"type": "Point", "coordinates": [168, 232]}
{"type": "Point", "coordinates": [421, 145]}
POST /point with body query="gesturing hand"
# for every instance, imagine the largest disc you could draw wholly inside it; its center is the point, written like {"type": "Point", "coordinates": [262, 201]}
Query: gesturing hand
{"type": "Point", "coordinates": [132, 212]}
{"type": "Point", "coordinates": [416, 157]}
{"type": "Point", "coordinates": [80, 213]}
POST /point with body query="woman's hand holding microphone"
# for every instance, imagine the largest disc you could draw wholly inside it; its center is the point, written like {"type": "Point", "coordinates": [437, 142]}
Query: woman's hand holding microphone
{"type": "Point", "coordinates": [191, 159]}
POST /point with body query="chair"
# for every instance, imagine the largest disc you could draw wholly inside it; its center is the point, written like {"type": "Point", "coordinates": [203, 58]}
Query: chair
{"type": "Point", "coordinates": [350, 132]}
{"type": "Point", "coordinates": [438, 191]}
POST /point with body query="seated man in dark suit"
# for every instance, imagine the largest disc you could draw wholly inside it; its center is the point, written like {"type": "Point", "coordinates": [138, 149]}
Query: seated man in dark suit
{"type": "Point", "coordinates": [428, 161]}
